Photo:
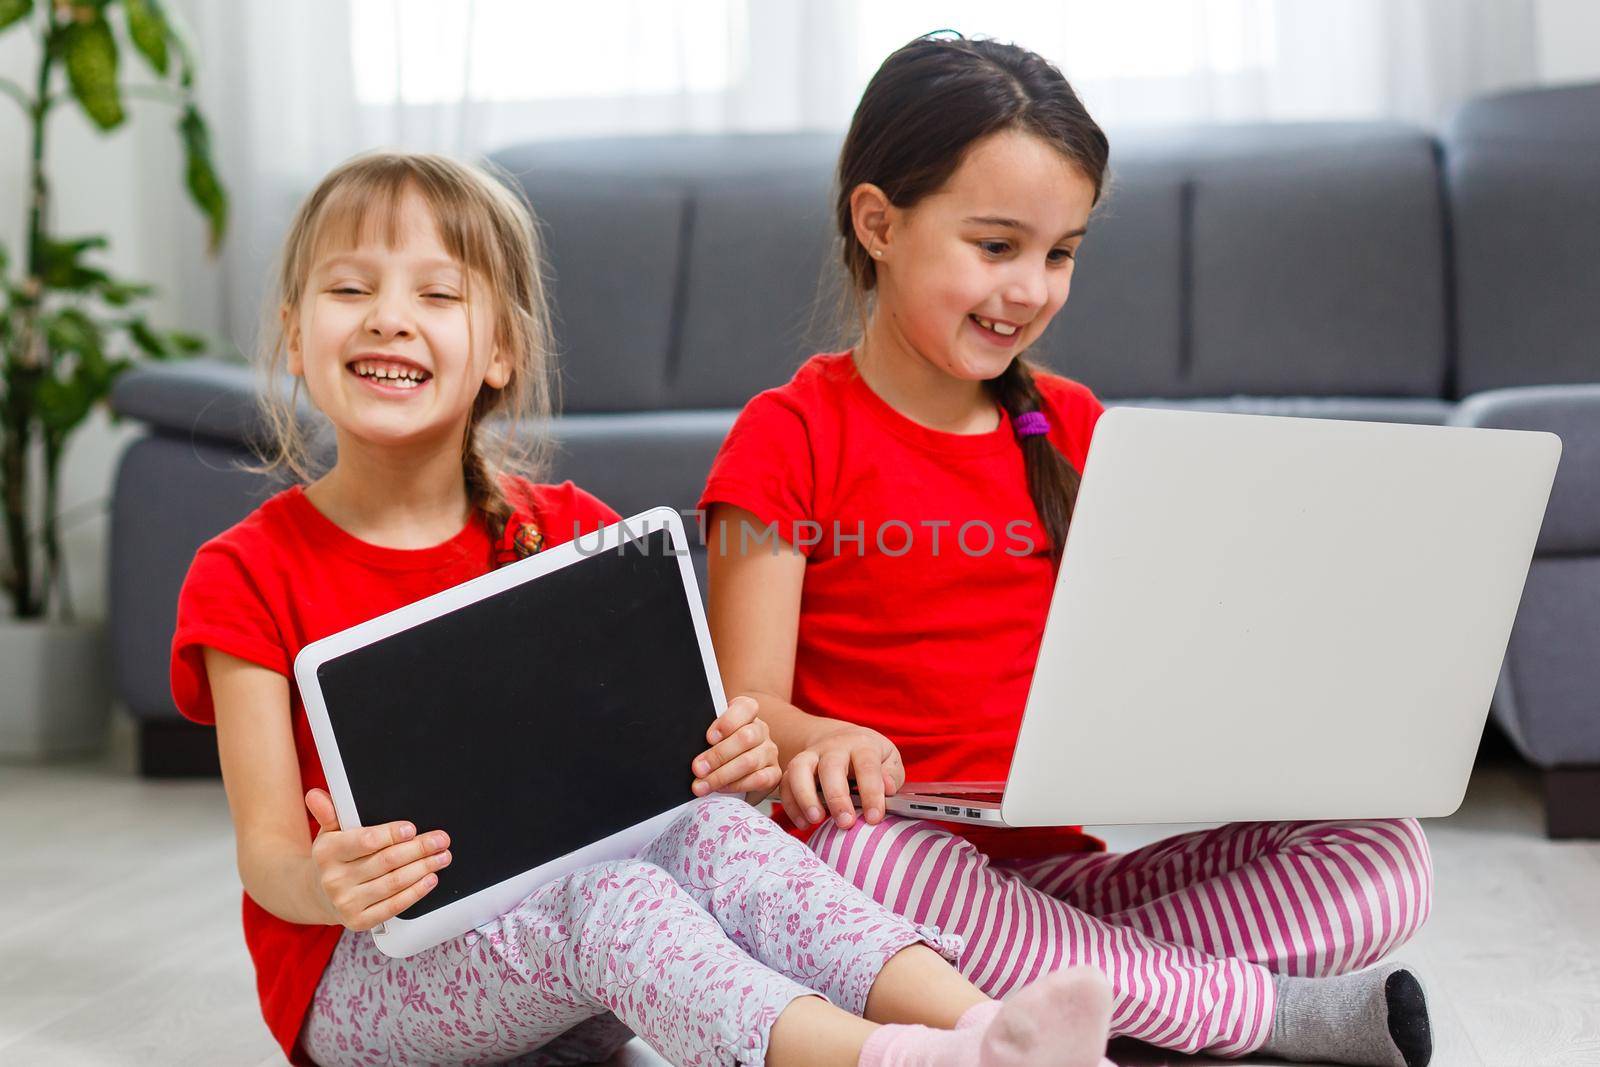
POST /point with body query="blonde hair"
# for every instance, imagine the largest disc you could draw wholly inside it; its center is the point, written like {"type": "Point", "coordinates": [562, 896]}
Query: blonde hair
{"type": "Point", "coordinates": [491, 231]}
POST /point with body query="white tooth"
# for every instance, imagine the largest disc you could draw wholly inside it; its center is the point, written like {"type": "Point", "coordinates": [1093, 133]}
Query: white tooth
{"type": "Point", "coordinates": [1004, 330]}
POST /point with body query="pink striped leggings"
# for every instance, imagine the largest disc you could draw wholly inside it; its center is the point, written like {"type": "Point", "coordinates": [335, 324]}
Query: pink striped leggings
{"type": "Point", "coordinates": [1189, 929]}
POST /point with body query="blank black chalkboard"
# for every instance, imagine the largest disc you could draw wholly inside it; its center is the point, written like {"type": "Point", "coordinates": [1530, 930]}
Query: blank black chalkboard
{"type": "Point", "coordinates": [532, 722]}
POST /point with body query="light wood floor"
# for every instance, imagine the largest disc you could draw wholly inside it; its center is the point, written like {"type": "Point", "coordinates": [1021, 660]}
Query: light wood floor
{"type": "Point", "coordinates": [119, 927]}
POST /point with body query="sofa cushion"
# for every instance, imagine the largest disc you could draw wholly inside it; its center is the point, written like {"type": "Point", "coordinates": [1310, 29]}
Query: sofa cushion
{"type": "Point", "coordinates": [1522, 173]}
{"type": "Point", "coordinates": [752, 310]}
{"type": "Point", "coordinates": [172, 494]}
{"type": "Point", "coordinates": [1571, 412]}
{"type": "Point", "coordinates": [614, 247]}
{"type": "Point", "coordinates": [1122, 327]}
{"type": "Point", "coordinates": [1547, 698]}
{"type": "Point", "coordinates": [1316, 263]}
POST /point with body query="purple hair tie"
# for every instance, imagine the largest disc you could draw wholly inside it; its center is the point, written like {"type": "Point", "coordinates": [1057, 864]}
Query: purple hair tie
{"type": "Point", "coordinates": [1030, 424]}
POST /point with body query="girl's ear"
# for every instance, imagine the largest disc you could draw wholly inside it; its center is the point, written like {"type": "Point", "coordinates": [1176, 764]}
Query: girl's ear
{"type": "Point", "coordinates": [498, 376]}
{"type": "Point", "coordinates": [873, 217]}
{"type": "Point", "coordinates": [291, 340]}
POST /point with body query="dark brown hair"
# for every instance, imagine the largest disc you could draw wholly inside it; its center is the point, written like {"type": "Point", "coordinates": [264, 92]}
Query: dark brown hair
{"type": "Point", "coordinates": [491, 232]}
{"type": "Point", "coordinates": [924, 109]}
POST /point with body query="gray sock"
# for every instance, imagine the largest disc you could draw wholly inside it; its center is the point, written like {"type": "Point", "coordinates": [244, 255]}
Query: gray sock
{"type": "Point", "coordinates": [1373, 1018]}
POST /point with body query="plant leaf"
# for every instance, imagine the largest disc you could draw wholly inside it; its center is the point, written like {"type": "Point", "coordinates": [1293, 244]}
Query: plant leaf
{"type": "Point", "coordinates": [90, 52]}
{"type": "Point", "coordinates": [147, 339]}
{"type": "Point", "coordinates": [63, 403]}
{"type": "Point", "coordinates": [187, 344]}
{"type": "Point", "coordinates": [121, 294]}
{"type": "Point", "coordinates": [72, 330]}
{"type": "Point", "coordinates": [204, 185]}
{"type": "Point", "coordinates": [59, 267]}
{"type": "Point", "coordinates": [12, 10]}
{"type": "Point", "coordinates": [65, 400]}
{"type": "Point", "coordinates": [147, 26]}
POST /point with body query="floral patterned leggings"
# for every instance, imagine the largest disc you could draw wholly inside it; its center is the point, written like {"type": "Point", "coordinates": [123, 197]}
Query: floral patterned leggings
{"type": "Point", "coordinates": [697, 946]}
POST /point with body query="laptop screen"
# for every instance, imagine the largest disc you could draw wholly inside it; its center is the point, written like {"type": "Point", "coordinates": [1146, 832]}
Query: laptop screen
{"type": "Point", "coordinates": [532, 722]}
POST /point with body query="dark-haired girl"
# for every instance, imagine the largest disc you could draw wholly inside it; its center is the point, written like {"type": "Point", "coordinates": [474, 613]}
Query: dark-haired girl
{"type": "Point", "coordinates": [884, 533]}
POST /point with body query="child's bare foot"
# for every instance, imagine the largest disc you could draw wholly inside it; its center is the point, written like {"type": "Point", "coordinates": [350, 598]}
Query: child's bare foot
{"type": "Point", "coordinates": [1060, 1020]}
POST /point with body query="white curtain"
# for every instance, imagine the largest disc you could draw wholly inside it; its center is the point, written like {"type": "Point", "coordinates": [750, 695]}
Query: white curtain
{"type": "Point", "coordinates": [294, 86]}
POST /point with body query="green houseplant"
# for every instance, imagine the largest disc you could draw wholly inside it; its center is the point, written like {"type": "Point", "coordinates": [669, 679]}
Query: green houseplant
{"type": "Point", "coordinates": [67, 326]}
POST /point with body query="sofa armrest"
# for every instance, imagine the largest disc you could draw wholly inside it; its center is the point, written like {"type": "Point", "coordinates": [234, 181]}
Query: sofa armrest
{"type": "Point", "coordinates": [1572, 412]}
{"type": "Point", "coordinates": [201, 398]}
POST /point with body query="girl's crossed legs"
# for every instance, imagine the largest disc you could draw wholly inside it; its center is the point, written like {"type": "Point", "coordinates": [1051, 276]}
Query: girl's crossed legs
{"type": "Point", "coordinates": [698, 946]}
{"type": "Point", "coordinates": [1190, 929]}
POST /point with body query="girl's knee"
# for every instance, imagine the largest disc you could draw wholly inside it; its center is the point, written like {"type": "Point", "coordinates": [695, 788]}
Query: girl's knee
{"type": "Point", "coordinates": [1417, 862]}
{"type": "Point", "coordinates": [628, 872]}
{"type": "Point", "coordinates": [1402, 848]}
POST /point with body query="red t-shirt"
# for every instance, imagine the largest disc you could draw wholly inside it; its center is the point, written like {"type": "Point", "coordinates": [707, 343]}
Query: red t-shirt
{"type": "Point", "coordinates": [925, 627]}
{"type": "Point", "coordinates": [286, 576]}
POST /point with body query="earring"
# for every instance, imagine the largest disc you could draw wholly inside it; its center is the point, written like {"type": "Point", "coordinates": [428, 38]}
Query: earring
{"type": "Point", "coordinates": [877, 253]}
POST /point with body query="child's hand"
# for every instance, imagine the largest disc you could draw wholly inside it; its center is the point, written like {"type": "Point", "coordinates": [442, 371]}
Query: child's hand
{"type": "Point", "coordinates": [850, 752]}
{"type": "Point", "coordinates": [372, 873]}
{"type": "Point", "coordinates": [743, 757]}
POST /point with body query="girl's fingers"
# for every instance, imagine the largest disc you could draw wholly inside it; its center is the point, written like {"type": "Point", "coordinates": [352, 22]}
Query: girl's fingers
{"type": "Point", "coordinates": [869, 783]}
{"type": "Point", "coordinates": [367, 840]}
{"type": "Point", "coordinates": [740, 710]}
{"type": "Point", "coordinates": [762, 781]}
{"type": "Point", "coordinates": [724, 778]}
{"type": "Point", "coordinates": [747, 738]}
{"type": "Point", "coordinates": [385, 910]}
{"type": "Point", "coordinates": [894, 774]}
{"type": "Point", "coordinates": [396, 856]}
{"type": "Point", "coordinates": [731, 771]}
{"type": "Point", "coordinates": [792, 809]}
{"type": "Point", "coordinates": [320, 805]}
{"type": "Point", "coordinates": [833, 771]}
{"type": "Point", "coordinates": [397, 881]}
{"type": "Point", "coordinates": [801, 783]}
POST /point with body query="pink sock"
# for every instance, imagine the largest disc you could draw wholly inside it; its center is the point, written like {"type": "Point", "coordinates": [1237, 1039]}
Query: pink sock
{"type": "Point", "coordinates": [1062, 1019]}
{"type": "Point", "coordinates": [979, 1016]}
{"type": "Point", "coordinates": [920, 1046]}
{"type": "Point", "coordinates": [1059, 1021]}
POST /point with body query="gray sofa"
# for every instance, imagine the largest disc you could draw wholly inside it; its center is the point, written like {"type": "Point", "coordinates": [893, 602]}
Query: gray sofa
{"type": "Point", "coordinates": [1346, 270]}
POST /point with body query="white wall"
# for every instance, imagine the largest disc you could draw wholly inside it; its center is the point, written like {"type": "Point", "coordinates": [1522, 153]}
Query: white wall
{"type": "Point", "coordinates": [1569, 40]}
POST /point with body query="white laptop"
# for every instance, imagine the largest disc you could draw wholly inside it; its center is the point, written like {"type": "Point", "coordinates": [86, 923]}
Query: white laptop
{"type": "Point", "coordinates": [544, 715]}
{"type": "Point", "coordinates": [1269, 618]}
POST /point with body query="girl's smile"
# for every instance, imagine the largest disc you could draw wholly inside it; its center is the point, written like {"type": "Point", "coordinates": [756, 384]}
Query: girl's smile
{"type": "Point", "coordinates": [996, 332]}
{"type": "Point", "coordinates": [388, 374]}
